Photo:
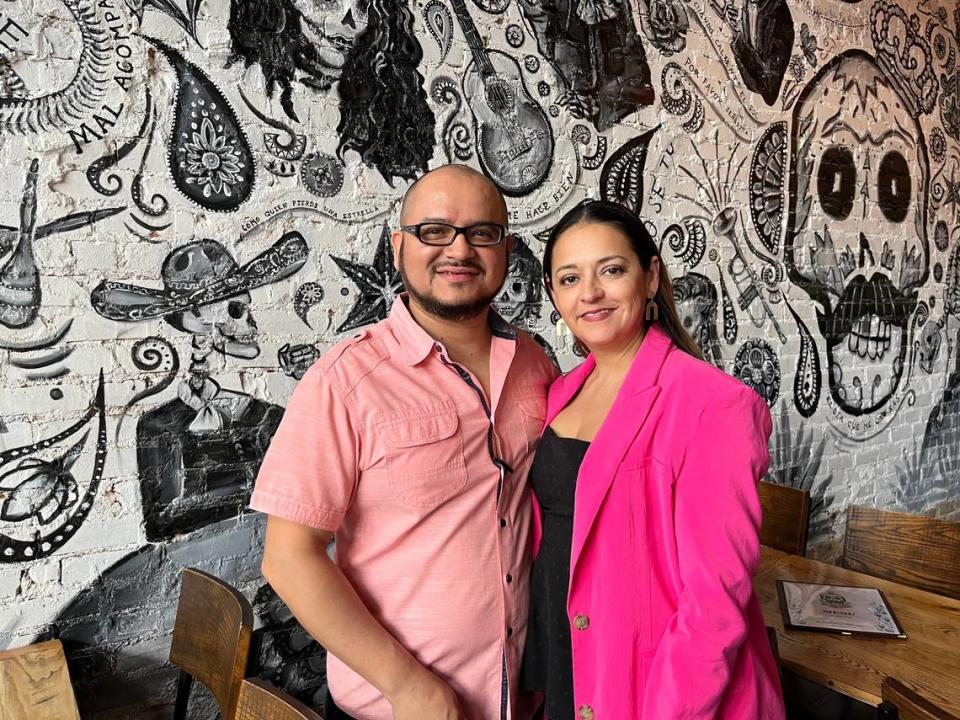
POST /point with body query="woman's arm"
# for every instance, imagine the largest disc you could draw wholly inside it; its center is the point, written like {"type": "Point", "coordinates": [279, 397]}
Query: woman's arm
{"type": "Point", "coordinates": [717, 522]}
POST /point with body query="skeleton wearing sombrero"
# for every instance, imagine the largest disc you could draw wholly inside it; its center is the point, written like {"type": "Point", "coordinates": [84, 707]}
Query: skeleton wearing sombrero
{"type": "Point", "coordinates": [198, 454]}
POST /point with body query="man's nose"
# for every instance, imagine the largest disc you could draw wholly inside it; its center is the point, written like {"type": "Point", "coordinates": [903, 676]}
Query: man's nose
{"type": "Point", "coordinates": [460, 249]}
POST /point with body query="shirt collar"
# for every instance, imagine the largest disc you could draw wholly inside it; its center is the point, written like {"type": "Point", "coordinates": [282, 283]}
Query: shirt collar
{"type": "Point", "coordinates": [416, 344]}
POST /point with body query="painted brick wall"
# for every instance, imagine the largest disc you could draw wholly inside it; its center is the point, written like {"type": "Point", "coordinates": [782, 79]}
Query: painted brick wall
{"type": "Point", "coordinates": [194, 201]}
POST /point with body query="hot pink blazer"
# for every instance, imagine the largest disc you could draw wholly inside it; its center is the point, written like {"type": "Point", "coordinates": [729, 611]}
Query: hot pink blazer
{"type": "Point", "coordinates": [665, 545]}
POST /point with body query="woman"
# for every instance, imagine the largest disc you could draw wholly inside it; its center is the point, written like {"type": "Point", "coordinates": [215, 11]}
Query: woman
{"type": "Point", "coordinates": [642, 602]}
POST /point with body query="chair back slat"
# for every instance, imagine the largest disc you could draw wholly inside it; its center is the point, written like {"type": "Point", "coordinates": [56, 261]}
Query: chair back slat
{"type": "Point", "coordinates": [35, 684]}
{"type": "Point", "coordinates": [786, 514]}
{"type": "Point", "coordinates": [902, 703]}
{"type": "Point", "coordinates": [914, 550]}
{"type": "Point", "coordinates": [211, 637]}
{"type": "Point", "coordinates": [259, 700]}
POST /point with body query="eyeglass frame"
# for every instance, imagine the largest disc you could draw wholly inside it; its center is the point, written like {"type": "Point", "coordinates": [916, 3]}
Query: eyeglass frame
{"type": "Point", "coordinates": [457, 230]}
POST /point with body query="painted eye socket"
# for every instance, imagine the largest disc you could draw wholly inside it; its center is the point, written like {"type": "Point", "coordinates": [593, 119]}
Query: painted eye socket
{"type": "Point", "coordinates": [894, 186]}
{"type": "Point", "coordinates": [836, 182]}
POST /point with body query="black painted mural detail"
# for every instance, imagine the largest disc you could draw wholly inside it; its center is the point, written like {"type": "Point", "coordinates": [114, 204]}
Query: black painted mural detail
{"type": "Point", "coordinates": [763, 35]}
{"type": "Point", "coordinates": [151, 355]}
{"type": "Point", "coordinates": [35, 363]}
{"type": "Point", "coordinates": [322, 175]}
{"type": "Point", "coordinates": [731, 327]}
{"type": "Point", "coordinates": [904, 55]}
{"type": "Point", "coordinates": [209, 156]}
{"type": "Point", "coordinates": [696, 300]}
{"type": "Point", "coordinates": [99, 167]}
{"type": "Point", "coordinates": [494, 7]}
{"type": "Point", "coordinates": [665, 24]}
{"type": "Point", "coordinates": [931, 339]}
{"type": "Point", "coordinates": [457, 138]}
{"type": "Point", "coordinates": [37, 491]}
{"type": "Point", "coordinates": [48, 341]}
{"type": "Point", "coordinates": [60, 109]}
{"type": "Point", "coordinates": [756, 366]}
{"type": "Point", "coordinates": [295, 360]}
{"type": "Point", "coordinates": [677, 99]}
{"type": "Point", "coordinates": [866, 293]}
{"type": "Point", "coordinates": [284, 152]}
{"type": "Point", "coordinates": [808, 45]}
{"type": "Point", "coordinates": [20, 291]}
{"type": "Point", "coordinates": [158, 204]}
{"type": "Point", "coordinates": [378, 284]}
{"type": "Point", "coordinates": [514, 35]}
{"type": "Point", "coordinates": [595, 48]}
{"type": "Point", "coordinates": [621, 180]}
{"type": "Point", "coordinates": [808, 378]}
{"type": "Point", "coordinates": [199, 453]}
{"type": "Point", "coordinates": [514, 139]}
{"type": "Point", "coordinates": [307, 296]}
{"type": "Point", "coordinates": [767, 174]}
{"type": "Point", "coordinates": [581, 136]}
{"type": "Point", "coordinates": [439, 22]}
{"type": "Point", "coordinates": [520, 301]}
{"type": "Point", "coordinates": [687, 241]}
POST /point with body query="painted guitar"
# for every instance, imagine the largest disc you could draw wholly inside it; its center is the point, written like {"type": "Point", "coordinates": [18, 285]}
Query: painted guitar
{"type": "Point", "coordinates": [514, 139]}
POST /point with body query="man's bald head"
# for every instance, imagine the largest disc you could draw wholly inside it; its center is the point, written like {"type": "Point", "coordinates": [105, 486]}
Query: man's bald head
{"type": "Point", "coordinates": [479, 186]}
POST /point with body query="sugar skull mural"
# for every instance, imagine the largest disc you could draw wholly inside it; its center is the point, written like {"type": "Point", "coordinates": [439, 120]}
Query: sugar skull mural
{"type": "Point", "coordinates": [856, 238]}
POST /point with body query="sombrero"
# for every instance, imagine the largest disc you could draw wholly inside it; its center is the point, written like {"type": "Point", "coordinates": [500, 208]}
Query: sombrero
{"type": "Point", "coordinates": [196, 274]}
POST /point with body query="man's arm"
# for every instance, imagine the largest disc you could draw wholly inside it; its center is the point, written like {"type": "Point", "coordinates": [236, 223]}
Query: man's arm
{"type": "Point", "coordinates": [296, 564]}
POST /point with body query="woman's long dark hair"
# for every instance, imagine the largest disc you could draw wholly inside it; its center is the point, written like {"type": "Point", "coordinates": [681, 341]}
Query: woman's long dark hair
{"type": "Point", "coordinates": [617, 216]}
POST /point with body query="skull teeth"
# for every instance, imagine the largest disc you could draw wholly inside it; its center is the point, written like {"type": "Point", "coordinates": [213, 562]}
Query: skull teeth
{"type": "Point", "coordinates": [870, 337]}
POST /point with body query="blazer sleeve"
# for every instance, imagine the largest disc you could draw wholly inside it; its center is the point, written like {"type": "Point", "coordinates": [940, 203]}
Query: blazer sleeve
{"type": "Point", "coordinates": [717, 523]}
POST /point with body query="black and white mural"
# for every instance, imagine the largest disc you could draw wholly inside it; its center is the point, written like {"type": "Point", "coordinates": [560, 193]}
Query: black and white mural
{"type": "Point", "coordinates": [197, 202]}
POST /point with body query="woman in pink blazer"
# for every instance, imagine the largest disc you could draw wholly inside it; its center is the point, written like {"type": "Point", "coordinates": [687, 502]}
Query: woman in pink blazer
{"type": "Point", "coordinates": [642, 601]}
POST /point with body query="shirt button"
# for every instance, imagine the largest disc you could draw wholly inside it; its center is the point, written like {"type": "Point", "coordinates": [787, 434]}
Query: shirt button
{"type": "Point", "coordinates": [509, 631]}
{"type": "Point", "coordinates": [581, 622]}
{"type": "Point", "coordinates": [503, 522]}
{"type": "Point", "coordinates": [585, 712]}
{"type": "Point", "coordinates": [509, 578]}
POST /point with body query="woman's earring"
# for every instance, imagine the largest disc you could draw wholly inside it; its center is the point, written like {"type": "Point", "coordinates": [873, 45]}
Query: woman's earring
{"type": "Point", "coordinates": [563, 334]}
{"type": "Point", "coordinates": [651, 313]}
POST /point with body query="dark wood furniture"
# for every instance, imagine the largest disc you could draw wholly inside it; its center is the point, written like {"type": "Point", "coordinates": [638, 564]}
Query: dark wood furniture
{"type": "Point", "coordinates": [902, 703]}
{"type": "Point", "coordinates": [211, 640]}
{"type": "Point", "coordinates": [786, 515]}
{"type": "Point", "coordinates": [259, 700]}
{"type": "Point", "coordinates": [927, 662]}
{"type": "Point", "coordinates": [914, 550]}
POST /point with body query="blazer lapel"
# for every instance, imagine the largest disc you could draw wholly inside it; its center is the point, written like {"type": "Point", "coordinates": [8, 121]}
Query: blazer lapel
{"type": "Point", "coordinates": [622, 424]}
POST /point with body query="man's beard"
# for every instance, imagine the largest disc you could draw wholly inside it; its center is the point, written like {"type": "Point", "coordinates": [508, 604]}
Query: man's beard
{"type": "Point", "coordinates": [442, 310]}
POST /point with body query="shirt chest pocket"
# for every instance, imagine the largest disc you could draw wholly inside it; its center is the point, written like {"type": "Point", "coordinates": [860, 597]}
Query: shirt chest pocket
{"type": "Point", "coordinates": [425, 462]}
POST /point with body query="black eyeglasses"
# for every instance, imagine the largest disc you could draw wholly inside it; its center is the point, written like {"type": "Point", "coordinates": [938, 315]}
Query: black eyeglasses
{"type": "Point", "coordinates": [439, 234]}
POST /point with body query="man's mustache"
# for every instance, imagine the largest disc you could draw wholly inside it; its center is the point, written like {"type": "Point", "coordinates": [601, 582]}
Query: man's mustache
{"type": "Point", "coordinates": [448, 265]}
{"type": "Point", "coordinates": [862, 297]}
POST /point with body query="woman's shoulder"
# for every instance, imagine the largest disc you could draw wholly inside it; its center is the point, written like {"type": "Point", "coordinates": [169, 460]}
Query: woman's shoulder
{"type": "Point", "coordinates": [698, 385]}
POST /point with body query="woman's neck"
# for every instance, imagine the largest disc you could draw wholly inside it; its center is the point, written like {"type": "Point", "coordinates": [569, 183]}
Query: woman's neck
{"type": "Point", "coordinates": [613, 363]}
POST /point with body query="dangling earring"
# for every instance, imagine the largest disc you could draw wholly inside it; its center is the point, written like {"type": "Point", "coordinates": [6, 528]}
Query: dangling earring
{"type": "Point", "coordinates": [563, 333]}
{"type": "Point", "coordinates": [651, 313]}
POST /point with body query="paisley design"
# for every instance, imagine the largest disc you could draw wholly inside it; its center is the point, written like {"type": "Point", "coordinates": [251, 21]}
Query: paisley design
{"type": "Point", "coordinates": [439, 22]}
{"type": "Point", "coordinates": [209, 156]}
{"type": "Point", "coordinates": [39, 545]}
{"type": "Point", "coordinates": [766, 185]}
{"type": "Point", "coordinates": [808, 380]}
{"type": "Point", "coordinates": [621, 180]}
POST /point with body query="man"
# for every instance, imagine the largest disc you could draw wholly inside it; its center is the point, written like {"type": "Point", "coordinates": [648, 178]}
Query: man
{"type": "Point", "coordinates": [411, 443]}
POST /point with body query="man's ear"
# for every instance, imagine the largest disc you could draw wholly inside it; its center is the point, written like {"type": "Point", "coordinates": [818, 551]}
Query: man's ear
{"type": "Point", "coordinates": [396, 240]}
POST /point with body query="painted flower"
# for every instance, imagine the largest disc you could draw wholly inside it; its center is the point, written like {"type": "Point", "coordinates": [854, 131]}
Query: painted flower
{"type": "Point", "coordinates": [212, 159]}
{"type": "Point", "coordinates": [665, 25]}
{"type": "Point", "coordinates": [38, 488]}
{"type": "Point", "coordinates": [756, 366]}
{"type": "Point", "coordinates": [938, 145]}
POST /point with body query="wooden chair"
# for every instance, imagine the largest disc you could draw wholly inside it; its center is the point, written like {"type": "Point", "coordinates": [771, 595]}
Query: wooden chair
{"type": "Point", "coordinates": [913, 550]}
{"type": "Point", "coordinates": [786, 514]}
{"type": "Point", "coordinates": [902, 703]}
{"type": "Point", "coordinates": [211, 640]}
{"type": "Point", "coordinates": [35, 684]}
{"type": "Point", "coordinates": [259, 700]}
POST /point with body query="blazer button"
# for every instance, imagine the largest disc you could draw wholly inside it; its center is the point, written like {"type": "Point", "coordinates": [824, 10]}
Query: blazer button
{"type": "Point", "coordinates": [585, 712]}
{"type": "Point", "coordinates": [581, 622]}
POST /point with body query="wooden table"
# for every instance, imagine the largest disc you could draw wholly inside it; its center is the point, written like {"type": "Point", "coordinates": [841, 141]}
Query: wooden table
{"type": "Point", "coordinates": [928, 661]}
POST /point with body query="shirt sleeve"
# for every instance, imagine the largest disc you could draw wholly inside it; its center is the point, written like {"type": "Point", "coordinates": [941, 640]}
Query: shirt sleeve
{"type": "Point", "coordinates": [310, 471]}
{"type": "Point", "coordinates": [717, 521]}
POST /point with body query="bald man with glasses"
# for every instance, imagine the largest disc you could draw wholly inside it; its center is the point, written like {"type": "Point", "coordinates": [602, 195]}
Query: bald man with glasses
{"type": "Point", "coordinates": [410, 445]}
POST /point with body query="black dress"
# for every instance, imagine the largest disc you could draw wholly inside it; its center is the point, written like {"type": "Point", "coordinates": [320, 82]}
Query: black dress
{"type": "Point", "coordinates": [548, 658]}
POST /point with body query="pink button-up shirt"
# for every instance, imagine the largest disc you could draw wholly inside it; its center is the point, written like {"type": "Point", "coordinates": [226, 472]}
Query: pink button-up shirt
{"type": "Point", "coordinates": [396, 450]}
